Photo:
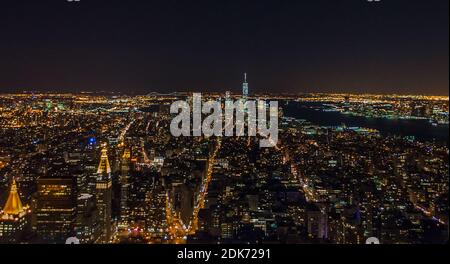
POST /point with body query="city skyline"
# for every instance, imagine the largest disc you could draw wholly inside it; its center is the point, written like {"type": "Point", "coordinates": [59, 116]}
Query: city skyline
{"type": "Point", "coordinates": [229, 123]}
{"type": "Point", "coordinates": [109, 170]}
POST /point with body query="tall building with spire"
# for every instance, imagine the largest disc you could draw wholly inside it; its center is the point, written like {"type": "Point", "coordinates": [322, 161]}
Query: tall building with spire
{"type": "Point", "coordinates": [104, 196]}
{"type": "Point", "coordinates": [124, 187]}
{"type": "Point", "coordinates": [14, 218]}
{"type": "Point", "coordinates": [245, 91]}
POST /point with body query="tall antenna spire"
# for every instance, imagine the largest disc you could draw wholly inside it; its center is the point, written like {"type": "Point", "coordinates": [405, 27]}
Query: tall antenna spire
{"type": "Point", "coordinates": [245, 86]}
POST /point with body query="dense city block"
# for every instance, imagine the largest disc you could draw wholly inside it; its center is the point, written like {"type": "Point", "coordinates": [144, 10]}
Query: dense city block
{"type": "Point", "coordinates": [104, 168]}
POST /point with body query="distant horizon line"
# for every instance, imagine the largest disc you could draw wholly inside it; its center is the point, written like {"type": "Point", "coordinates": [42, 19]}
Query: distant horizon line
{"type": "Point", "coordinates": [218, 92]}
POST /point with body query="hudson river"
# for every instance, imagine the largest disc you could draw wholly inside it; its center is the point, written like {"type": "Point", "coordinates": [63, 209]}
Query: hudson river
{"type": "Point", "coordinates": [422, 130]}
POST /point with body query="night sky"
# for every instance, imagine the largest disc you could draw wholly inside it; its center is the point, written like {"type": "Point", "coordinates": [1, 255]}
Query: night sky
{"type": "Point", "coordinates": [295, 46]}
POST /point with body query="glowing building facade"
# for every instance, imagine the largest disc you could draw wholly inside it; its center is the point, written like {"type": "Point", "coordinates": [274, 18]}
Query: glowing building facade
{"type": "Point", "coordinates": [14, 218]}
{"type": "Point", "coordinates": [124, 187]}
{"type": "Point", "coordinates": [56, 208]}
{"type": "Point", "coordinates": [104, 196]}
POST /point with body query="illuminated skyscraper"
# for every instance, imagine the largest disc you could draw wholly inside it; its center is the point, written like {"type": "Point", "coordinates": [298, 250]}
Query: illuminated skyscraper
{"type": "Point", "coordinates": [87, 223]}
{"type": "Point", "coordinates": [104, 196]}
{"type": "Point", "coordinates": [125, 186]}
{"type": "Point", "coordinates": [157, 220]}
{"type": "Point", "coordinates": [14, 218]}
{"type": "Point", "coordinates": [245, 91]}
{"type": "Point", "coordinates": [56, 208]}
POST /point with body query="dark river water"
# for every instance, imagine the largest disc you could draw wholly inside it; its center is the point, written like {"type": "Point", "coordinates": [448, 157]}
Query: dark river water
{"type": "Point", "coordinates": [421, 129]}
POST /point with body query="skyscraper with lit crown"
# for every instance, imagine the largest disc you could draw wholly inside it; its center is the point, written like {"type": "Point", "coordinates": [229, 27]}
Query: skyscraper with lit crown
{"type": "Point", "coordinates": [14, 218]}
{"type": "Point", "coordinates": [124, 187]}
{"type": "Point", "coordinates": [104, 196]}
